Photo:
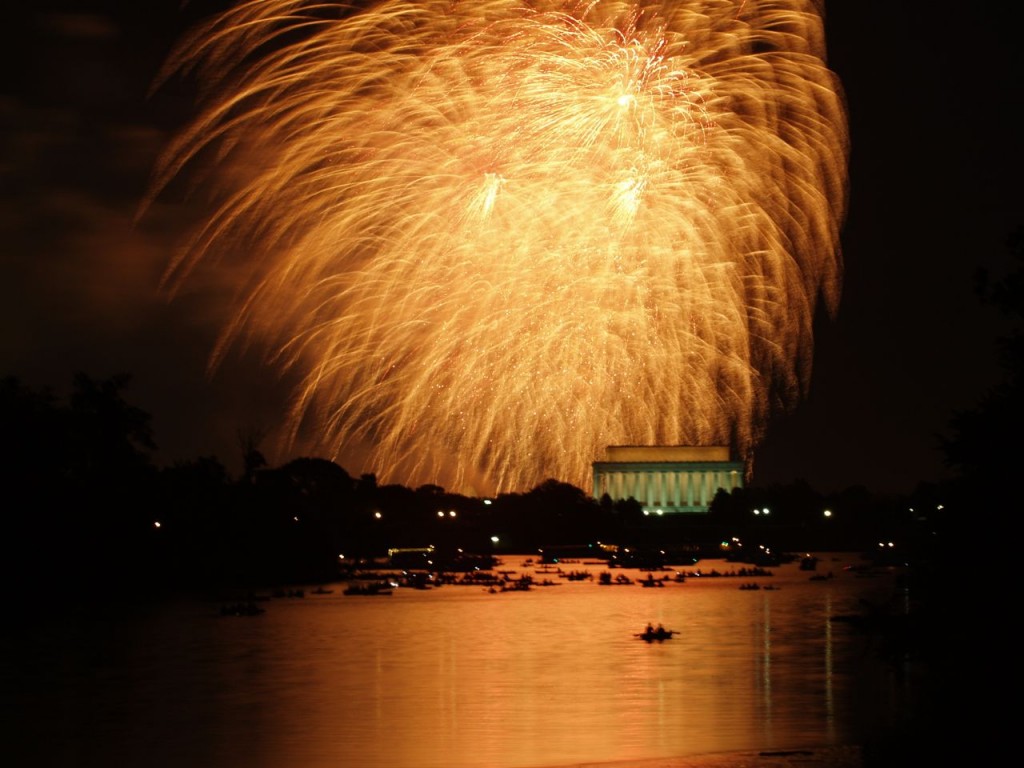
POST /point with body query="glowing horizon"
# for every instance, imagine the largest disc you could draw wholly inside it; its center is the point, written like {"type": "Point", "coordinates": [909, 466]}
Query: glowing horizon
{"type": "Point", "coordinates": [493, 238]}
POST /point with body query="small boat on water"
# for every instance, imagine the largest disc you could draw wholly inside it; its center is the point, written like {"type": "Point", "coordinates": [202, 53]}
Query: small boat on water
{"type": "Point", "coordinates": [808, 563]}
{"type": "Point", "coordinates": [524, 584]}
{"type": "Point", "coordinates": [248, 608]}
{"type": "Point", "coordinates": [606, 578]}
{"type": "Point", "coordinates": [370, 588]}
{"type": "Point", "coordinates": [650, 581]}
{"type": "Point", "coordinates": [652, 634]}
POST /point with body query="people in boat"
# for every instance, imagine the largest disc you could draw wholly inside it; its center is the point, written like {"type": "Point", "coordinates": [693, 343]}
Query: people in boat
{"type": "Point", "coordinates": [650, 633]}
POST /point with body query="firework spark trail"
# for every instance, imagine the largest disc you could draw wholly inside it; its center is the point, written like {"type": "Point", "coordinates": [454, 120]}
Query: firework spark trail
{"type": "Point", "coordinates": [494, 237]}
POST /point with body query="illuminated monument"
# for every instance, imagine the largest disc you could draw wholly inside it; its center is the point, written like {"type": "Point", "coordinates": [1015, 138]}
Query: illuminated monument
{"type": "Point", "coordinates": [673, 478]}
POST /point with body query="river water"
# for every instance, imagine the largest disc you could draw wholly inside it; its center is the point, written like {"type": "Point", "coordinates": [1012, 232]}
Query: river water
{"type": "Point", "coordinates": [458, 676]}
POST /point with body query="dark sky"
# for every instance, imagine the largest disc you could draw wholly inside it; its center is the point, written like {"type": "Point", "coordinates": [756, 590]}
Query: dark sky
{"type": "Point", "coordinates": [936, 160]}
{"type": "Point", "coordinates": [935, 102]}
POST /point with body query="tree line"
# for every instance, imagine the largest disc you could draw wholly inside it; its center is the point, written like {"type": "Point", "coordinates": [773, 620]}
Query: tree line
{"type": "Point", "coordinates": [89, 507]}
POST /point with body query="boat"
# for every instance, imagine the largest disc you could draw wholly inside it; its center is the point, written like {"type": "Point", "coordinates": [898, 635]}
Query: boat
{"type": "Point", "coordinates": [606, 578]}
{"type": "Point", "coordinates": [370, 588]}
{"type": "Point", "coordinates": [248, 608]}
{"type": "Point", "coordinates": [651, 634]}
{"type": "Point", "coordinates": [524, 584]}
{"type": "Point", "coordinates": [650, 581]}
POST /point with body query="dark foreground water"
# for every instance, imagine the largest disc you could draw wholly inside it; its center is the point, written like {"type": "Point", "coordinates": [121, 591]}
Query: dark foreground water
{"type": "Point", "coordinates": [457, 676]}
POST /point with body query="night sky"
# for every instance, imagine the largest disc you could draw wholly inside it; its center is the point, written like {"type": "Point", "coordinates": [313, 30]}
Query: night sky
{"type": "Point", "coordinates": [935, 177]}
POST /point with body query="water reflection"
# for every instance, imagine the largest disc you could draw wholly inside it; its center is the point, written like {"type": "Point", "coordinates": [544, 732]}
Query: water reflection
{"type": "Point", "coordinates": [454, 676]}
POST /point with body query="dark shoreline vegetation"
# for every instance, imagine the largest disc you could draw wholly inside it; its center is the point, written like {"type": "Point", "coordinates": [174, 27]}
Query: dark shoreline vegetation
{"type": "Point", "coordinates": [92, 507]}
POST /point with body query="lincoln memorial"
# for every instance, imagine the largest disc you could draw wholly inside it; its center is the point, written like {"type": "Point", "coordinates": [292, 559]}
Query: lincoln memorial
{"type": "Point", "coordinates": [674, 478]}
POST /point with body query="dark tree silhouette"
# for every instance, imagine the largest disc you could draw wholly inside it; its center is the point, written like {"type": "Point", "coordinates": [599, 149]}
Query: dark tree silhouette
{"type": "Point", "coordinates": [983, 441]}
{"type": "Point", "coordinates": [82, 479]}
{"type": "Point", "coordinates": [32, 429]}
{"type": "Point", "coordinates": [253, 459]}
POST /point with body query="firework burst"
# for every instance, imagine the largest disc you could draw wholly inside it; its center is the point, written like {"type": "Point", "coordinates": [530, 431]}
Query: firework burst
{"type": "Point", "coordinates": [493, 237]}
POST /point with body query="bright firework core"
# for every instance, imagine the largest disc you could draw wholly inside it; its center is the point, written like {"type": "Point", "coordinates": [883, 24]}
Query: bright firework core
{"type": "Point", "coordinates": [493, 237]}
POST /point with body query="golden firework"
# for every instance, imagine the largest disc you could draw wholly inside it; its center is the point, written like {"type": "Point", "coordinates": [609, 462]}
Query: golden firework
{"type": "Point", "coordinates": [493, 237]}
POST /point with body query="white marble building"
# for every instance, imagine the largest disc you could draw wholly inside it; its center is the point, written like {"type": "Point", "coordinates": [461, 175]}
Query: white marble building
{"type": "Point", "coordinates": [665, 479]}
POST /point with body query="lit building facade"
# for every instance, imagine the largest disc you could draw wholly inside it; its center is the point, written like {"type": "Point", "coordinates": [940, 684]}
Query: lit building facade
{"type": "Point", "coordinates": [667, 479]}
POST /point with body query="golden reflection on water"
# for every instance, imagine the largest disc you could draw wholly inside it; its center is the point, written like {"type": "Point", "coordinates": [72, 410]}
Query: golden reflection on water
{"type": "Point", "coordinates": [461, 678]}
